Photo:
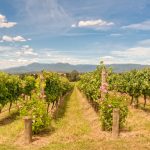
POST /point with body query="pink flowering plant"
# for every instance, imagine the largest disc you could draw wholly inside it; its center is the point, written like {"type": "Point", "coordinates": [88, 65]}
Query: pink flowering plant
{"type": "Point", "coordinates": [106, 109]}
{"type": "Point", "coordinates": [104, 88]}
{"type": "Point", "coordinates": [104, 91]}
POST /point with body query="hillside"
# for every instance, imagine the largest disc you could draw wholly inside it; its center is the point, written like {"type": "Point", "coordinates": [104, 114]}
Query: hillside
{"type": "Point", "coordinates": [65, 67]}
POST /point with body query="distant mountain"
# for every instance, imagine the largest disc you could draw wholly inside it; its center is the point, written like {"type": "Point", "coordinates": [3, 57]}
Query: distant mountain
{"type": "Point", "coordinates": [65, 67]}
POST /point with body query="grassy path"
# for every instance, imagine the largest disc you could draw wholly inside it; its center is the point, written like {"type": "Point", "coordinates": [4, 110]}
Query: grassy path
{"type": "Point", "coordinates": [71, 127]}
{"type": "Point", "coordinates": [77, 127]}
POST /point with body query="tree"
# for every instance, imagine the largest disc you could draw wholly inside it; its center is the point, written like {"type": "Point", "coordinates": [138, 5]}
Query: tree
{"type": "Point", "coordinates": [73, 76]}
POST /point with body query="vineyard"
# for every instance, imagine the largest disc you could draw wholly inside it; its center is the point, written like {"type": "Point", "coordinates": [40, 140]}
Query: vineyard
{"type": "Point", "coordinates": [135, 83]}
{"type": "Point", "coordinates": [27, 93]}
{"type": "Point", "coordinates": [68, 115]}
{"type": "Point", "coordinates": [120, 90]}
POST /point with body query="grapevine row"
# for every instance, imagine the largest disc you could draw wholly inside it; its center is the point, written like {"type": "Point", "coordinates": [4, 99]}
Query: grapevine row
{"type": "Point", "coordinates": [12, 87]}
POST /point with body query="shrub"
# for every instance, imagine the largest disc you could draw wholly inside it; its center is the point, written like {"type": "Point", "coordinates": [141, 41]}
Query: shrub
{"type": "Point", "coordinates": [106, 110]}
{"type": "Point", "coordinates": [36, 108]}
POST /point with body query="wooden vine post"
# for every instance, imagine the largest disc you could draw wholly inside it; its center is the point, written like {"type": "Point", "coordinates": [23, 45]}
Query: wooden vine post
{"type": "Point", "coordinates": [27, 130]}
{"type": "Point", "coordinates": [115, 125]}
{"type": "Point", "coordinates": [104, 84]}
{"type": "Point", "coordinates": [103, 87]}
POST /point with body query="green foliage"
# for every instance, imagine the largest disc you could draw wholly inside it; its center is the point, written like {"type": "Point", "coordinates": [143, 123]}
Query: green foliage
{"type": "Point", "coordinates": [65, 85]}
{"type": "Point", "coordinates": [10, 89]}
{"type": "Point", "coordinates": [13, 87]}
{"type": "Point", "coordinates": [28, 84]}
{"type": "Point", "coordinates": [135, 83]}
{"type": "Point", "coordinates": [106, 110]}
{"type": "Point", "coordinates": [73, 76]}
{"type": "Point", "coordinates": [3, 90]}
{"type": "Point", "coordinates": [36, 108]}
{"type": "Point", "coordinates": [55, 86]}
{"type": "Point", "coordinates": [52, 87]}
{"type": "Point", "coordinates": [89, 83]}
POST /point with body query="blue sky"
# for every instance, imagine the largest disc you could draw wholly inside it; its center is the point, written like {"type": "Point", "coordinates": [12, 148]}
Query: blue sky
{"type": "Point", "coordinates": [76, 32]}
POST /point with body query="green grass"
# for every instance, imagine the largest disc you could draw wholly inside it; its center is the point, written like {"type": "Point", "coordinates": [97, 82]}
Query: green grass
{"type": "Point", "coordinates": [6, 147]}
{"type": "Point", "coordinates": [10, 127]}
{"type": "Point", "coordinates": [70, 124]}
{"type": "Point", "coordinates": [73, 130]}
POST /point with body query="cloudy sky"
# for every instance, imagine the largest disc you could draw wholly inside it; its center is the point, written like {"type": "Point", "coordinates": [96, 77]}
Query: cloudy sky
{"type": "Point", "coordinates": [74, 31]}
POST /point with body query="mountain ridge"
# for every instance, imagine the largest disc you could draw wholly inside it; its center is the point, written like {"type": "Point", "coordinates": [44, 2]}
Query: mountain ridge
{"type": "Point", "coordinates": [66, 67]}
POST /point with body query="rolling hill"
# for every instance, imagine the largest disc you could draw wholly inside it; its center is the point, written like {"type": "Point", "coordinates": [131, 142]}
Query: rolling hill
{"type": "Point", "coordinates": [66, 67]}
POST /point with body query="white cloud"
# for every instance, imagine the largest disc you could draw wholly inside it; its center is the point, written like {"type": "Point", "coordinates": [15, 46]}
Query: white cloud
{"type": "Point", "coordinates": [138, 55]}
{"type": "Point", "coordinates": [26, 50]}
{"type": "Point", "coordinates": [4, 23]}
{"type": "Point", "coordinates": [52, 56]}
{"type": "Point", "coordinates": [107, 57]}
{"type": "Point", "coordinates": [139, 26]}
{"type": "Point", "coordinates": [73, 25]}
{"type": "Point", "coordinates": [144, 42]}
{"type": "Point", "coordinates": [19, 39]}
{"type": "Point", "coordinates": [18, 52]}
{"type": "Point", "coordinates": [98, 24]}
{"type": "Point", "coordinates": [6, 38]}
{"type": "Point", "coordinates": [115, 34]}
{"type": "Point", "coordinates": [137, 52]}
{"type": "Point", "coordinates": [5, 48]}
{"type": "Point", "coordinates": [16, 56]}
{"type": "Point", "coordinates": [15, 62]}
